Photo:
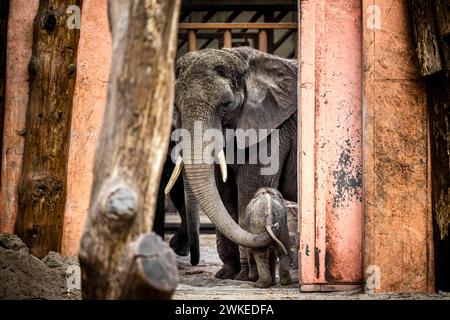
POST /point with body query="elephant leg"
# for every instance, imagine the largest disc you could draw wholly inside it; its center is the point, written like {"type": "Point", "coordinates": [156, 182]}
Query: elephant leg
{"type": "Point", "coordinates": [229, 254]}
{"type": "Point", "coordinates": [262, 264]}
{"type": "Point", "coordinates": [160, 213]}
{"type": "Point", "coordinates": [253, 272]}
{"type": "Point", "coordinates": [227, 250]}
{"type": "Point", "coordinates": [273, 264]}
{"type": "Point", "coordinates": [285, 275]}
{"type": "Point", "coordinates": [180, 241]}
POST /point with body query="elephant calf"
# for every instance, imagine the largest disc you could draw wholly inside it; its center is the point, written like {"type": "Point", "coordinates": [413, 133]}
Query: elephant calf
{"type": "Point", "coordinates": [263, 211]}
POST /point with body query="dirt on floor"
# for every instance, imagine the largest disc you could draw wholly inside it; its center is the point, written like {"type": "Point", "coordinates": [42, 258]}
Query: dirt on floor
{"type": "Point", "coordinates": [23, 276]}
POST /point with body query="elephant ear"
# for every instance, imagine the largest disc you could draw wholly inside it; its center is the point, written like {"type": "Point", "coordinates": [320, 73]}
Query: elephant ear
{"type": "Point", "coordinates": [271, 97]}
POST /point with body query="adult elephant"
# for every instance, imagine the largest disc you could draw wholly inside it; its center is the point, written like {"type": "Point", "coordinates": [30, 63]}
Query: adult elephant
{"type": "Point", "coordinates": [239, 88]}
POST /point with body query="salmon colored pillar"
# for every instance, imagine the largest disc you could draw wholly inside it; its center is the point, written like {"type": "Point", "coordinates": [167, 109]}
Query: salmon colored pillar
{"type": "Point", "coordinates": [19, 49]}
{"type": "Point", "coordinates": [330, 140]}
{"type": "Point", "coordinates": [94, 56]}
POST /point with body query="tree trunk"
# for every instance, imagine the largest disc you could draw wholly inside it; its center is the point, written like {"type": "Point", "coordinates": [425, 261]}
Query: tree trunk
{"type": "Point", "coordinates": [119, 256]}
{"type": "Point", "coordinates": [4, 13]}
{"type": "Point", "coordinates": [431, 31]}
{"type": "Point", "coordinates": [42, 189]}
{"type": "Point", "coordinates": [427, 46]}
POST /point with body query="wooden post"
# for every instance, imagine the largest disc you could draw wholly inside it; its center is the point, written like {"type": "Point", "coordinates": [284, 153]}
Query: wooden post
{"type": "Point", "coordinates": [4, 13]}
{"type": "Point", "coordinates": [262, 40]}
{"type": "Point", "coordinates": [227, 41]}
{"type": "Point", "coordinates": [430, 22]}
{"type": "Point", "coordinates": [52, 72]}
{"type": "Point", "coordinates": [119, 257]}
{"type": "Point", "coordinates": [427, 46]}
{"type": "Point", "coordinates": [192, 41]}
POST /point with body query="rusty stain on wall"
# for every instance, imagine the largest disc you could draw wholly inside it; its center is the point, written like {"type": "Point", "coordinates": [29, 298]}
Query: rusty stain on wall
{"type": "Point", "coordinates": [347, 176]}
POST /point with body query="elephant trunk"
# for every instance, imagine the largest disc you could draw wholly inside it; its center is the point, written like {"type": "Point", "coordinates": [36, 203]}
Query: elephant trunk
{"type": "Point", "coordinates": [193, 223]}
{"type": "Point", "coordinates": [201, 179]}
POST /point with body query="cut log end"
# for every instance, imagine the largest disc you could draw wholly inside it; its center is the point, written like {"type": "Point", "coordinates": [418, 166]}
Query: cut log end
{"type": "Point", "coordinates": [153, 270]}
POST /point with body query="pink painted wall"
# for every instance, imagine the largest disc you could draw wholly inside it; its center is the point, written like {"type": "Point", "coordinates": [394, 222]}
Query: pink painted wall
{"type": "Point", "coordinates": [94, 54]}
{"type": "Point", "coordinates": [330, 145]}
{"type": "Point", "coordinates": [20, 35]}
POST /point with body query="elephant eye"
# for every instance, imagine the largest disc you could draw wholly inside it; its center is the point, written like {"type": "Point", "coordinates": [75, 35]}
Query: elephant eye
{"type": "Point", "coordinates": [226, 106]}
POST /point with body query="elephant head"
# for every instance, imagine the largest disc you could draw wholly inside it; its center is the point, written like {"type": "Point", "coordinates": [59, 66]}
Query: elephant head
{"type": "Point", "coordinates": [239, 88]}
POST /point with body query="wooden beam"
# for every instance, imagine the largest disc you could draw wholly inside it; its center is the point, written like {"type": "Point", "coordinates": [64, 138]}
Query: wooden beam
{"type": "Point", "coordinates": [237, 25]}
{"type": "Point", "coordinates": [283, 38]}
{"type": "Point", "coordinates": [119, 256]}
{"type": "Point", "coordinates": [227, 41]}
{"type": "Point", "coordinates": [278, 5]}
{"type": "Point", "coordinates": [281, 16]}
{"type": "Point", "coordinates": [230, 18]}
{"type": "Point", "coordinates": [4, 13]}
{"type": "Point", "coordinates": [192, 41]}
{"type": "Point", "coordinates": [217, 35]}
{"type": "Point", "coordinates": [184, 15]}
{"type": "Point", "coordinates": [52, 72]}
{"type": "Point", "coordinates": [425, 39]}
{"type": "Point", "coordinates": [262, 40]}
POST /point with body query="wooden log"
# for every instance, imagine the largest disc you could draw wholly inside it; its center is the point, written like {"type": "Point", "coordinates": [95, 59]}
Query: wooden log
{"type": "Point", "coordinates": [227, 40]}
{"type": "Point", "coordinates": [262, 41]}
{"type": "Point", "coordinates": [192, 41]}
{"type": "Point", "coordinates": [148, 277]}
{"type": "Point", "coordinates": [426, 41]}
{"type": "Point", "coordinates": [4, 13]}
{"type": "Point", "coordinates": [438, 96]}
{"type": "Point", "coordinates": [130, 156]}
{"type": "Point", "coordinates": [52, 71]}
{"type": "Point", "coordinates": [438, 93]}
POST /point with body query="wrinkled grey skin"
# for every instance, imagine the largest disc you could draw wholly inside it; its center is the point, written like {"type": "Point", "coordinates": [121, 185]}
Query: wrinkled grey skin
{"type": "Point", "coordinates": [266, 209]}
{"type": "Point", "coordinates": [238, 88]}
{"type": "Point", "coordinates": [186, 239]}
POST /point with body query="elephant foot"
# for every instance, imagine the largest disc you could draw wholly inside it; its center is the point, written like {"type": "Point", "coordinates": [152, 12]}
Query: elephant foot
{"type": "Point", "coordinates": [243, 275]}
{"type": "Point", "coordinates": [180, 244]}
{"type": "Point", "coordinates": [226, 272]}
{"type": "Point", "coordinates": [263, 283]}
{"type": "Point", "coordinates": [253, 274]}
{"type": "Point", "coordinates": [285, 281]}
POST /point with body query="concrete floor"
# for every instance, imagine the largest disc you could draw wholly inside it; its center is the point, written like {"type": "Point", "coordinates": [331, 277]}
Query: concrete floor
{"type": "Point", "coordinates": [199, 283]}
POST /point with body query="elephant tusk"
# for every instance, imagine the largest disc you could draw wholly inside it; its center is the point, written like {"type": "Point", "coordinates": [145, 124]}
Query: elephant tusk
{"type": "Point", "coordinates": [175, 174]}
{"type": "Point", "coordinates": [223, 165]}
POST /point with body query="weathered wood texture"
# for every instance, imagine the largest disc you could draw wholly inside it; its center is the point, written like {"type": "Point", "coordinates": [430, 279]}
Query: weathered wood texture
{"type": "Point", "coordinates": [130, 155]}
{"type": "Point", "coordinates": [438, 89]}
{"type": "Point", "coordinates": [438, 92]}
{"type": "Point", "coordinates": [93, 65]}
{"type": "Point", "coordinates": [20, 35]}
{"type": "Point", "coordinates": [424, 30]}
{"type": "Point", "coordinates": [397, 193]}
{"type": "Point", "coordinates": [52, 72]}
{"type": "Point", "coordinates": [4, 13]}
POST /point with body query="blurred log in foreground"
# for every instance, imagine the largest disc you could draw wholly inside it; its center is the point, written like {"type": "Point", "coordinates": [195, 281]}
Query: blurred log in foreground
{"type": "Point", "coordinates": [119, 257]}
